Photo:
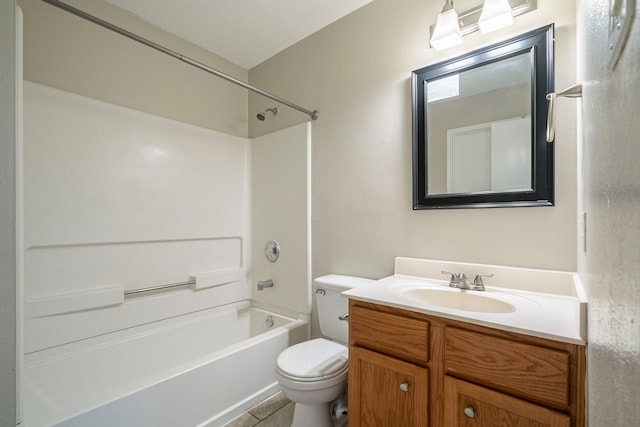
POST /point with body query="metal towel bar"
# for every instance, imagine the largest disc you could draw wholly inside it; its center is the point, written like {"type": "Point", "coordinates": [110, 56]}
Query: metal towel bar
{"type": "Point", "coordinates": [198, 281]}
{"type": "Point", "coordinates": [160, 287]}
{"type": "Point", "coordinates": [574, 91]}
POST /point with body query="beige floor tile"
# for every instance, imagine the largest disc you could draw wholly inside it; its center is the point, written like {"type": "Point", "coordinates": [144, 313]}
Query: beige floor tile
{"type": "Point", "coordinates": [282, 418]}
{"type": "Point", "coordinates": [268, 406]}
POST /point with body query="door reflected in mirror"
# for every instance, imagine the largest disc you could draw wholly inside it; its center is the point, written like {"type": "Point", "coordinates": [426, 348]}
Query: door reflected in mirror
{"type": "Point", "coordinates": [478, 127]}
{"type": "Point", "coordinates": [480, 133]}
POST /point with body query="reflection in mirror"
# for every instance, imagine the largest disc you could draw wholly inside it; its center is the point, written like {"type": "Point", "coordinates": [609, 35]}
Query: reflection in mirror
{"type": "Point", "coordinates": [480, 133]}
{"type": "Point", "coordinates": [478, 127]}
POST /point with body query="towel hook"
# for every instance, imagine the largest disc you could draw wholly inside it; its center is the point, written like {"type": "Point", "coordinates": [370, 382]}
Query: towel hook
{"type": "Point", "coordinates": [574, 91]}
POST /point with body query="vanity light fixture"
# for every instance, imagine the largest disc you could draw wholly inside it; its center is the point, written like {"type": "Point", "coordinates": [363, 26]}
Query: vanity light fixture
{"type": "Point", "coordinates": [446, 33]}
{"type": "Point", "coordinates": [496, 14]}
{"type": "Point", "coordinates": [491, 16]}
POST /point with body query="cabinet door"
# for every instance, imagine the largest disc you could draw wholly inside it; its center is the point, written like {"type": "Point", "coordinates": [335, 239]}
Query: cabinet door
{"type": "Point", "coordinates": [384, 391]}
{"type": "Point", "coordinates": [470, 405]}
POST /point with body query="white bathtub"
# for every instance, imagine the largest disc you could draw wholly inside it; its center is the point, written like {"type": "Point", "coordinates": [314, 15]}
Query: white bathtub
{"type": "Point", "coordinates": [200, 369]}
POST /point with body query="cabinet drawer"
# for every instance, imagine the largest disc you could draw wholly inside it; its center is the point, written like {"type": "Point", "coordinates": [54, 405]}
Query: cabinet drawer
{"type": "Point", "coordinates": [468, 404]}
{"type": "Point", "coordinates": [536, 373]}
{"type": "Point", "coordinates": [397, 336]}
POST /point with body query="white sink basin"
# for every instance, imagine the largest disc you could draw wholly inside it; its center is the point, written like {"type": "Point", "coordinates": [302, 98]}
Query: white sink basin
{"type": "Point", "coordinates": [459, 300]}
{"type": "Point", "coordinates": [438, 296]}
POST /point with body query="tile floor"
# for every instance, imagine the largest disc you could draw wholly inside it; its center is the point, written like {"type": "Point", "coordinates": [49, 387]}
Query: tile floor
{"type": "Point", "coordinates": [275, 411]}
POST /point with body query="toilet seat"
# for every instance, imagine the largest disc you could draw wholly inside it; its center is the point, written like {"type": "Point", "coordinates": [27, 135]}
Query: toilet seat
{"type": "Point", "coordinates": [314, 360]}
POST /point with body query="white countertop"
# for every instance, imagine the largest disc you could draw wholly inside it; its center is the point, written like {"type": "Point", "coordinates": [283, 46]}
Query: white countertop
{"type": "Point", "coordinates": [548, 304]}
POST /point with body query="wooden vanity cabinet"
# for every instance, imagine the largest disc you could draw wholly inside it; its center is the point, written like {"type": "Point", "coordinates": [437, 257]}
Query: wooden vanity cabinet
{"type": "Point", "coordinates": [413, 369]}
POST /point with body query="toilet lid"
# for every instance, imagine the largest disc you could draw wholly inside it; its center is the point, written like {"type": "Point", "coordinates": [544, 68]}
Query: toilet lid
{"type": "Point", "coordinates": [317, 358]}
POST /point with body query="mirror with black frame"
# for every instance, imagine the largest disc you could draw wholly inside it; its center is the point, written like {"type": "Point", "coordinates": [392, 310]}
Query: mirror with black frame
{"type": "Point", "coordinates": [479, 123]}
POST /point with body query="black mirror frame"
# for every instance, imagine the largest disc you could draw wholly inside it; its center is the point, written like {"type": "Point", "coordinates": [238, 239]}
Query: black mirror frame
{"type": "Point", "coordinates": [539, 43]}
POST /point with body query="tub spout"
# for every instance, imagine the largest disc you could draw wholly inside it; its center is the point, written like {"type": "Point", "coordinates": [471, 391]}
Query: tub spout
{"type": "Point", "coordinates": [265, 284]}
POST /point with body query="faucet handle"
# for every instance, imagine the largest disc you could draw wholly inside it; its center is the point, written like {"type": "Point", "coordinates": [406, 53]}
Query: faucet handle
{"type": "Point", "coordinates": [477, 281]}
{"type": "Point", "coordinates": [455, 278]}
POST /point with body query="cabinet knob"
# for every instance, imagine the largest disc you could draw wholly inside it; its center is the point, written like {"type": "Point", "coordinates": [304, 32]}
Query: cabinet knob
{"type": "Point", "coordinates": [404, 387]}
{"type": "Point", "coordinates": [469, 412]}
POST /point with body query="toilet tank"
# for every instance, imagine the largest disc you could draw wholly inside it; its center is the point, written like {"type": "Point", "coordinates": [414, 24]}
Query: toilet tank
{"type": "Point", "coordinates": [331, 304]}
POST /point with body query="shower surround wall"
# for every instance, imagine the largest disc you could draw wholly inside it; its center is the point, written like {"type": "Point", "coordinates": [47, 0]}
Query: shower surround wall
{"type": "Point", "coordinates": [281, 183]}
{"type": "Point", "coordinates": [117, 200]}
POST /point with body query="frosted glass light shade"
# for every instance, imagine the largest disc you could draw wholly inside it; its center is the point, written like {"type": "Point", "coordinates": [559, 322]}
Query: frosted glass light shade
{"type": "Point", "coordinates": [495, 14]}
{"type": "Point", "coordinates": [446, 33]}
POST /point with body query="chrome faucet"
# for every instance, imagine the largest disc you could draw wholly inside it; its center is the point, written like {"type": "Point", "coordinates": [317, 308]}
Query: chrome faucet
{"type": "Point", "coordinates": [265, 284]}
{"type": "Point", "coordinates": [460, 281]}
{"type": "Point", "coordinates": [478, 284]}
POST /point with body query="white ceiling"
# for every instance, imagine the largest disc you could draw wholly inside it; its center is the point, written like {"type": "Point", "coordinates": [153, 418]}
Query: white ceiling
{"type": "Point", "coordinates": [246, 32]}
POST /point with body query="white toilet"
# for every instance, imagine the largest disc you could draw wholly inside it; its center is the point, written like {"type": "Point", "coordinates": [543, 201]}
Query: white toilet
{"type": "Point", "coordinates": [313, 374]}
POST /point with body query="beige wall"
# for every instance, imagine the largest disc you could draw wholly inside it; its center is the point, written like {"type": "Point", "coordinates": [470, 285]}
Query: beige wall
{"type": "Point", "coordinates": [610, 189]}
{"type": "Point", "coordinates": [9, 338]}
{"type": "Point", "coordinates": [357, 73]}
{"type": "Point", "coordinates": [68, 53]}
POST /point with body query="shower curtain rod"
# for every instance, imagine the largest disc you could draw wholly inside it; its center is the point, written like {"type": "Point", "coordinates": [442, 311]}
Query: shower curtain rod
{"type": "Point", "coordinates": [84, 15]}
